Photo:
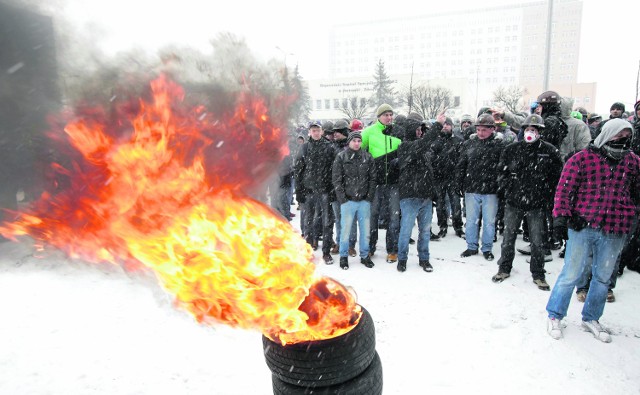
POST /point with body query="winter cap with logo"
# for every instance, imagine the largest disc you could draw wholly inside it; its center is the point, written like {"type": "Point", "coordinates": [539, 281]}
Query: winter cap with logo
{"type": "Point", "coordinates": [549, 97]}
{"type": "Point", "coordinates": [610, 129]}
{"type": "Point", "coordinates": [617, 106]}
{"type": "Point", "coordinates": [448, 121]}
{"type": "Point", "coordinates": [382, 109]}
{"type": "Point", "coordinates": [533, 120]}
{"type": "Point", "coordinates": [314, 123]}
{"type": "Point", "coordinates": [486, 120]}
{"type": "Point", "coordinates": [354, 135]}
{"type": "Point", "coordinates": [484, 110]}
{"type": "Point", "coordinates": [356, 124]}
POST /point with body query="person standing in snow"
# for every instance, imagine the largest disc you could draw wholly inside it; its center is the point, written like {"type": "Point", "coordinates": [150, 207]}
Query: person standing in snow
{"type": "Point", "coordinates": [529, 173]}
{"type": "Point", "coordinates": [417, 190]}
{"type": "Point", "coordinates": [597, 200]}
{"type": "Point", "coordinates": [312, 172]}
{"type": "Point", "coordinates": [384, 149]}
{"type": "Point", "coordinates": [477, 177]}
{"type": "Point", "coordinates": [354, 179]}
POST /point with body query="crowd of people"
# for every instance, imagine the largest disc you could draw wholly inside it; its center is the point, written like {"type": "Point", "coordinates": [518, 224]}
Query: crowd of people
{"type": "Point", "coordinates": [563, 178]}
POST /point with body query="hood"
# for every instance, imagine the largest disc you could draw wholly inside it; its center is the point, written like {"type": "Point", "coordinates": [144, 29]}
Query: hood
{"type": "Point", "coordinates": [610, 129]}
{"type": "Point", "coordinates": [566, 104]}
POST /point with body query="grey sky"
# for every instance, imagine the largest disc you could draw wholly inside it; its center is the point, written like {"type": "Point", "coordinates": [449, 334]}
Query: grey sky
{"type": "Point", "coordinates": [607, 52]}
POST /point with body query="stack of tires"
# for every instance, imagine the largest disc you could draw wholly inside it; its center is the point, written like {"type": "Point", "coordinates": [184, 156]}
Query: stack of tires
{"type": "Point", "coordinates": [348, 364]}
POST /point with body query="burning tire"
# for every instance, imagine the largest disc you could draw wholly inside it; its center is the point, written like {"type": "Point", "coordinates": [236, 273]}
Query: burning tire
{"type": "Point", "coordinates": [369, 382]}
{"type": "Point", "coordinates": [323, 363]}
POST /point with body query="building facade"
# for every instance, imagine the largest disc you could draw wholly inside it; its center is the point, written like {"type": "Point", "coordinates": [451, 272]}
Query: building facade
{"type": "Point", "coordinates": [486, 48]}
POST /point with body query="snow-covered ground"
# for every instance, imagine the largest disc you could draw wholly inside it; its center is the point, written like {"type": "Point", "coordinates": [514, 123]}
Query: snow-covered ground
{"type": "Point", "coordinates": [67, 327]}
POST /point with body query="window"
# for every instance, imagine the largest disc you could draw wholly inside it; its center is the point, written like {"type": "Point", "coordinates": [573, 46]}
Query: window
{"type": "Point", "coordinates": [327, 104]}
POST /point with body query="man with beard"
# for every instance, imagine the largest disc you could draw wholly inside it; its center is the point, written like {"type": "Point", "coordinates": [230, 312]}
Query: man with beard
{"type": "Point", "coordinates": [597, 200]}
{"type": "Point", "coordinates": [529, 173]}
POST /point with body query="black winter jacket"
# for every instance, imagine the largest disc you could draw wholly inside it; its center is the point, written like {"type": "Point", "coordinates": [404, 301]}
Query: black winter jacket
{"type": "Point", "coordinates": [354, 176]}
{"type": "Point", "coordinates": [312, 168]}
{"type": "Point", "coordinates": [477, 168]}
{"type": "Point", "coordinates": [416, 171]}
{"type": "Point", "coordinates": [446, 152]}
{"type": "Point", "coordinates": [529, 174]}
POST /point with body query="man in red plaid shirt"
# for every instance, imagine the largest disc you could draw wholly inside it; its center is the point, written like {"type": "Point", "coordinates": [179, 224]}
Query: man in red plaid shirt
{"type": "Point", "coordinates": [597, 199]}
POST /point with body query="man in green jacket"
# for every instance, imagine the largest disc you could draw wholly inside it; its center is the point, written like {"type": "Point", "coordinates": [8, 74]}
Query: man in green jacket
{"type": "Point", "coordinates": [378, 139]}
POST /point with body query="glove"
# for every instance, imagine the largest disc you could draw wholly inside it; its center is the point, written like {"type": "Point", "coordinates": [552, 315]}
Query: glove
{"type": "Point", "coordinates": [577, 223]}
{"type": "Point", "coordinates": [560, 228]}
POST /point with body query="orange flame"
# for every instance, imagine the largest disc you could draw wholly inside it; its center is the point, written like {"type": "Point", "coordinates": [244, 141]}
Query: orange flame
{"type": "Point", "coordinates": [169, 198]}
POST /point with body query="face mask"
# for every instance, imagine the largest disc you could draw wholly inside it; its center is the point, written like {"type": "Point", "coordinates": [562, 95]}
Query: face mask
{"type": "Point", "coordinates": [530, 136]}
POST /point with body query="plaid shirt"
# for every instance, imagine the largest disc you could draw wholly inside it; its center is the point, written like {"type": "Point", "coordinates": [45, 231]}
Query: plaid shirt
{"type": "Point", "coordinates": [599, 192]}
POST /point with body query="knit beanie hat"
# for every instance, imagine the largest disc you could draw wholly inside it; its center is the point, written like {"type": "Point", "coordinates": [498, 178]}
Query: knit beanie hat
{"type": "Point", "coordinates": [354, 135]}
{"type": "Point", "coordinates": [617, 106]}
{"type": "Point", "coordinates": [382, 109]}
{"type": "Point", "coordinates": [610, 129]}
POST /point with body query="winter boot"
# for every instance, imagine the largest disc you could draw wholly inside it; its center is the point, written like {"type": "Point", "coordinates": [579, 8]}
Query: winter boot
{"type": "Point", "coordinates": [442, 233]}
{"type": "Point", "coordinates": [392, 257]}
{"type": "Point", "coordinates": [327, 259]}
{"type": "Point", "coordinates": [460, 233]}
{"type": "Point", "coordinates": [488, 255]}
{"type": "Point", "coordinates": [542, 284]}
{"type": "Point", "coordinates": [402, 265]}
{"type": "Point", "coordinates": [554, 328]}
{"type": "Point", "coordinates": [500, 277]}
{"type": "Point", "coordinates": [367, 262]}
{"type": "Point", "coordinates": [426, 266]}
{"type": "Point", "coordinates": [610, 296]}
{"type": "Point", "coordinates": [468, 252]}
{"type": "Point", "coordinates": [344, 263]}
{"type": "Point", "coordinates": [434, 237]}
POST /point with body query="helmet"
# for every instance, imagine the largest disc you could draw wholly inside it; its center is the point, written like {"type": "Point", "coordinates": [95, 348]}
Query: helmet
{"type": "Point", "coordinates": [340, 124]}
{"type": "Point", "coordinates": [485, 120]}
{"type": "Point", "coordinates": [327, 126]}
{"type": "Point", "coordinates": [356, 124]}
{"type": "Point", "coordinates": [576, 115]}
{"type": "Point", "coordinates": [533, 120]}
{"type": "Point", "coordinates": [549, 97]}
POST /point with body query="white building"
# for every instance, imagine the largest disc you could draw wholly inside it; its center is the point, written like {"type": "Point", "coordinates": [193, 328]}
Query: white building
{"type": "Point", "coordinates": [470, 52]}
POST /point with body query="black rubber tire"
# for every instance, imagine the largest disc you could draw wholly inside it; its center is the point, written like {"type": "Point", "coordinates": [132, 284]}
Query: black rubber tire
{"type": "Point", "coordinates": [322, 363]}
{"type": "Point", "coordinates": [368, 382]}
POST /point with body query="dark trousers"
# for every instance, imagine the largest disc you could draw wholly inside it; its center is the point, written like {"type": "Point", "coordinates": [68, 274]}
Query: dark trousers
{"type": "Point", "coordinates": [535, 219]}
{"type": "Point", "coordinates": [444, 189]}
{"type": "Point", "coordinates": [318, 204]}
{"type": "Point", "coordinates": [389, 195]}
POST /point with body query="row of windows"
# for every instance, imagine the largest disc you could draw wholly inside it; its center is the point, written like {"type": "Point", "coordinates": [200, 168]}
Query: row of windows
{"type": "Point", "coordinates": [337, 103]}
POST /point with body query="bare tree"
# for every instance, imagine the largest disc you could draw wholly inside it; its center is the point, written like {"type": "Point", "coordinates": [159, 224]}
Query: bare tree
{"type": "Point", "coordinates": [354, 107]}
{"type": "Point", "coordinates": [429, 101]}
{"type": "Point", "coordinates": [509, 97]}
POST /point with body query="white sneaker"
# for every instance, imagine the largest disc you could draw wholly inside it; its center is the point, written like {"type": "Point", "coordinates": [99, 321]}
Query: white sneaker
{"type": "Point", "coordinates": [554, 328]}
{"type": "Point", "coordinates": [598, 330]}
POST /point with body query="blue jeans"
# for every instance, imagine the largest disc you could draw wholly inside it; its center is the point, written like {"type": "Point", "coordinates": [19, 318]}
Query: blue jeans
{"type": "Point", "coordinates": [353, 234]}
{"type": "Point", "coordinates": [361, 211]}
{"type": "Point", "coordinates": [411, 209]}
{"type": "Point", "coordinates": [605, 249]}
{"type": "Point", "coordinates": [392, 194]}
{"type": "Point", "coordinates": [488, 206]}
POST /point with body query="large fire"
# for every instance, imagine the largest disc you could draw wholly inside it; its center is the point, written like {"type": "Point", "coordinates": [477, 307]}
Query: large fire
{"type": "Point", "coordinates": [166, 192]}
